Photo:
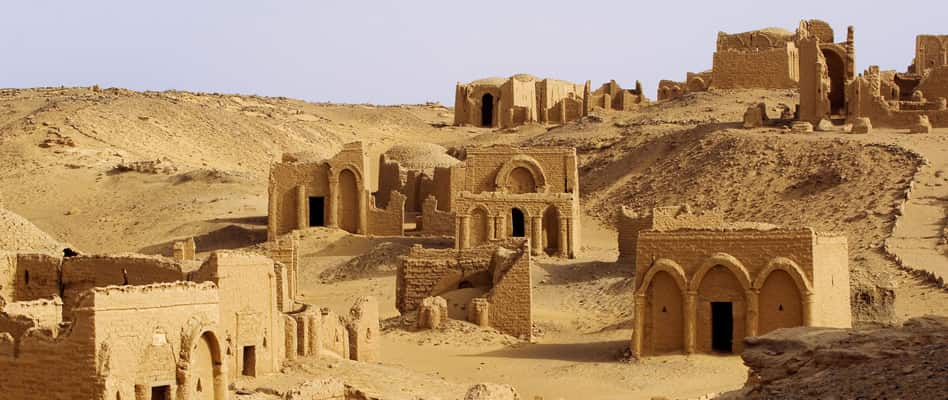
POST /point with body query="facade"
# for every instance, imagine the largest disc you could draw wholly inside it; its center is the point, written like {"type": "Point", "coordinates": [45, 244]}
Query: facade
{"type": "Point", "coordinates": [523, 99]}
{"type": "Point", "coordinates": [703, 285]}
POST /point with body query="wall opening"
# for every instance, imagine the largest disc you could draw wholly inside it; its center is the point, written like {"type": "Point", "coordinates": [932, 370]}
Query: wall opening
{"type": "Point", "coordinates": [520, 181]}
{"type": "Point", "coordinates": [722, 326]}
{"type": "Point", "coordinates": [518, 221]}
{"type": "Point", "coordinates": [780, 303]}
{"type": "Point", "coordinates": [837, 74]}
{"type": "Point", "coordinates": [551, 229]}
{"type": "Point", "coordinates": [348, 201]}
{"type": "Point", "coordinates": [250, 361]}
{"type": "Point", "coordinates": [478, 227]}
{"type": "Point", "coordinates": [161, 392]}
{"type": "Point", "coordinates": [487, 110]}
{"type": "Point", "coordinates": [317, 211]}
{"type": "Point", "coordinates": [664, 326]}
{"type": "Point", "coordinates": [26, 278]}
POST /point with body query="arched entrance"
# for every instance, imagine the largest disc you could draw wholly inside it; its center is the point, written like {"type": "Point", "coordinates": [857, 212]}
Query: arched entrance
{"type": "Point", "coordinates": [835, 67]}
{"type": "Point", "coordinates": [720, 314]}
{"type": "Point", "coordinates": [487, 110]}
{"type": "Point", "coordinates": [206, 380]}
{"type": "Point", "coordinates": [780, 304]}
{"type": "Point", "coordinates": [517, 223]}
{"type": "Point", "coordinates": [478, 227]}
{"type": "Point", "coordinates": [521, 180]}
{"type": "Point", "coordinates": [348, 201]}
{"type": "Point", "coordinates": [664, 315]}
{"type": "Point", "coordinates": [551, 231]}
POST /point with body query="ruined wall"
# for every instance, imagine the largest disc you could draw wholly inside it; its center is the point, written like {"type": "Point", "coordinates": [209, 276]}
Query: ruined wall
{"type": "Point", "coordinates": [775, 68]}
{"type": "Point", "coordinates": [285, 250]}
{"type": "Point", "coordinates": [37, 277]}
{"type": "Point", "coordinates": [435, 221]}
{"type": "Point", "coordinates": [8, 276]}
{"type": "Point", "coordinates": [814, 81]}
{"type": "Point", "coordinates": [931, 51]}
{"type": "Point", "coordinates": [831, 282]}
{"type": "Point", "coordinates": [935, 83]}
{"type": "Point", "coordinates": [85, 272]}
{"type": "Point", "coordinates": [390, 220]}
{"type": "Point", "coordinates": [511, 297]}
{"type": "Point", "coordinates": [866, 101]}
{"type": "Point", "coordinates": [364, 330]}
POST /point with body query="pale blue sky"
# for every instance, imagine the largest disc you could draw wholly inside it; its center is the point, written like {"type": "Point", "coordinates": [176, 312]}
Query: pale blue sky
{"type": "Point", "coordinates": [389, 52]}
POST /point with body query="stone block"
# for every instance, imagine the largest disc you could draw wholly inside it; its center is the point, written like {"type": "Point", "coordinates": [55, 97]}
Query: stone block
{"type": "Point", "coordinates": [433, 311]}
{"type": "Point", "coordinates": [862, 125]}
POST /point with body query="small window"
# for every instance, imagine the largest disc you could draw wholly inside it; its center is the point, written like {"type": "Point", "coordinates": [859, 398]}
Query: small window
{"type": "Point", "coordinates": [26, 278]}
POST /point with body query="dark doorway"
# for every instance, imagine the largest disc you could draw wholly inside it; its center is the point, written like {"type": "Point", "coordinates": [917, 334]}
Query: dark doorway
{"type": "Point", "coordinates": [722, 326]}
{"type": "Point", "coordinates": [487, 110]}
{"type": "Point", "coordinates": [516, 218]}
{"type": "Point", "coordinates": [250, 361]}
{"type": "Point", "coordinates": [161, 392]}
{"type": "Point", "coordinates": [837, 75]}
{"type": "Point", "coordinates": [317, 209]}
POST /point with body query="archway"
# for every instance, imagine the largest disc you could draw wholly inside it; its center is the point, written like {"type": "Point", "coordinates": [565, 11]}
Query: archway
{"type": "Point", "coordinates": [487, 110]}
{"type": "Point", "coordinates": [780, 304]}
{"type": "Point", "coordinates": [477, 233]}
{"type": "Point", "coordinates": [206, 380]}
{"type": "Point", "coordinates": [520, 181]}
{"type": "Point", "coordinates": [664, 315]}
{"type": "Point", "coordinates": [348, 201]}
{"type": "Point", "coordinates": [517, 223]}
{"type": "Point", "coordinates": [550, 242]}
{"type": "Point", "coordinates": [835, 67]}
{"type": "Point", "coordinates": [721, 312]}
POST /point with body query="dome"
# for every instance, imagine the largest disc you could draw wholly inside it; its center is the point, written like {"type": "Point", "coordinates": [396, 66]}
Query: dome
{"type": "Point", "coordinates": [420, 156]}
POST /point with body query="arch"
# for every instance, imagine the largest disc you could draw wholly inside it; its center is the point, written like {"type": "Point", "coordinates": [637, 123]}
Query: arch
{"type": "Point", "coordinates": [780, 303]}
{"type": "Point", "coordinates": [502, 180]}
{"type": "Point", "coordinates": [348, 198]}
{"type": "Point", "coordinates": [518, 222]}
{"type": "Point", "coordinates": [787, 265]}
{"type": "Point", "coordinates": [664, 309]}
{"type": "Point", "coordinates": [721, 309]}
{"type": "Point", "coordinates": [201, 364]}
{"type": "Point", "coordinates": [725, 260]}
{"type": "Point", "coordinates": [696, 84]}
{"type": "Point", "coordinates": [664, 265]}
{"type": "Point", "coordinates": [550, 237]}
{"type": "Point", "coordinates": [664, 94]}
{"type": "Point", "coordinates": [521, 181]}
{"type": "Point", "coordinates": [836, 68]}
{"type": "Point", "coordinates": [478, 226]}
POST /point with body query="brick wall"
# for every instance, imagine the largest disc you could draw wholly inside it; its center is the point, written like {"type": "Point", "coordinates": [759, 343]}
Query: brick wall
{"type": "Point", "coordinates": [37, 277]}
{"type": "Point", "coordinates": [388, 221]}
{"type": "Point", "coordinates": [85, 272]}
{"type": "Point", "coordinates": [435, 221]}
{"type": "Point", "coordinates": [765, 69]}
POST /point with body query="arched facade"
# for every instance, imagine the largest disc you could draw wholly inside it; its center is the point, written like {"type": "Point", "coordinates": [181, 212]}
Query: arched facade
{"type": "Point", "coordinates": [348, 194]}
{"type": "Point", "coordinates": [507, 182]}
{"type": "Point", "coordinates": [479, 228]}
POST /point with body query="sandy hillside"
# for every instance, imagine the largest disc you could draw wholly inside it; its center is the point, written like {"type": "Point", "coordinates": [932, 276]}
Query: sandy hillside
{"type": "Point", "coordinates": [114, 170]}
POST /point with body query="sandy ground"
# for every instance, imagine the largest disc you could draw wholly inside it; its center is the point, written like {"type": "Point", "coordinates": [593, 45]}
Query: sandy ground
{"type": "Point", "coordinates": [59, 149]}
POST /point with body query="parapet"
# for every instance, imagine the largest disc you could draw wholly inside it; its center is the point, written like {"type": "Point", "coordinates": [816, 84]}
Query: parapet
{"type": "Point", "coordinates": [154, 295]}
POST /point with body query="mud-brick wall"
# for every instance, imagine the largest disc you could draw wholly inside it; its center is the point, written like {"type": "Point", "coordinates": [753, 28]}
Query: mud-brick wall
{"type": "Point", "coordinates": [418, 273]}
{"type": "Point", "coordinates": [766, 69]}
{"type": "Point", "coordinates": [511, 298]}
{"type": "Point", "coordinates": [629, 226]}
{"type": "Point", "coordinates": [389, 221]}
{"type": "Point", "coordinates": [42, 365]}
{"type": "Point", "coordinates": [831, 282]}
{"type": "Point", "coordinates": [558, 166]}
{"type": "Point", "coordinates": [7, 277]}
{"type": "Point", "coordinates": [37, 277]}
{"type": "Point", "coordinates": [86, 272]}
{"type": "Point", "coordinates": [435, 221]}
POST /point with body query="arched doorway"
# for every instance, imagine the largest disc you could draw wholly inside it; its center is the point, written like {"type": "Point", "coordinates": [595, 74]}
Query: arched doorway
{"type": "Point", "coordinates": [478, 227]}
{"type": "Point", "coordinates": [348, 201]}
{"type": "Point", "coordinates": [517, 223]}
{"type": "Point", "coordinates": [664, 315]}
{"type": "Point", "coordinates": [551, 231]}
{"type": "Point", "coordinates": [720, 316]}
{"type": "Point", "coordinates": [780, 304]}
{"type": "Point", "coordinates": [521, 180]}
{"type": "Point", "coordinates": [487, 110]}
{"type": "Point", "coordinates": [206, 380]}
{"type": "Point", "coordinates": [835, 67]}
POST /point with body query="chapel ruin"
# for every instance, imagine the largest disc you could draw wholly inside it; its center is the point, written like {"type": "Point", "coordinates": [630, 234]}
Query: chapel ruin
{"type": "Point", "coordinates": [703, 284]}
{"type": "Point", "coordinates": [523, 99]}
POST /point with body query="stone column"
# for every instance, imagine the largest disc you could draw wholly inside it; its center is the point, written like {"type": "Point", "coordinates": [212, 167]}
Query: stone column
{"type": "Point", "coordinates": [464, 222]}
{"type": "Point", "coordinates": [691, 317]}
{"type": "Point", "coordinates": [332, 220]}
{"type": "Point", "coordinates": [638, 334]}
{"type": "Point", "coordinates": [500, 227]}
{"type": "Point", "coordinates": [301, 205]}
{"type": "Point", "coordinates": [750, 323]}
{"type": "Point", "coordinates": [808, 309]}
{"type": "Point", "coordinates": [536, 237]}
{"type": "Point", "coordinates": [290, 330]}
{"type": "Point", "coordinates": [564, 237]}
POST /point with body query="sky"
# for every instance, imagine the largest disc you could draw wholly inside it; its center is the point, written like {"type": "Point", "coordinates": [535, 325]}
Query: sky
{"type": "Point", "coordinates": [409, 51]}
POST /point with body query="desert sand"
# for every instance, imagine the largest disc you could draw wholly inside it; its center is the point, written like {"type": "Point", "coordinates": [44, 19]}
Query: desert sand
{"type": "Point", "coordinates": [112, 170]}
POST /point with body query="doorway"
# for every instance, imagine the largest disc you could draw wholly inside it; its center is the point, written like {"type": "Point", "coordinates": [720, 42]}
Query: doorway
{"type": "Point", "coordinates": [516, 218]}
{"type": "Point", "coordinates": [551, 228]}
{"type": "Point", "coordinates": [317, 211]}
{"type": "Point", "coordinates": [487, 110]}
{"type": "Point", "coordinates": [250, 361]}
{"type": "Point", "coordinates": [161, 392]}
{"type": "Point", "coordinates": [722, 326]}
{"type": "Point", "coordinates": [837, 74]}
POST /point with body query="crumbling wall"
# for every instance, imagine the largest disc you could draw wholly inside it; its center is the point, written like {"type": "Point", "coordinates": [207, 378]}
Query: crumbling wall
{"type": "Point", "coordinates": [935, 83]}
{"type": "Point", "coordinates": [37, 277]}
{"type": "Point", "coordinates": [388, 221]}
{"type": "Point", "coordinates": [85, 272]}
{"type": "Point", "coordinates": [831, 290]}
{"type": "Point", "coordinates": [285, 251]}
{"type": "Point", "coordinates": [435, 221]}
{"type": "Point", "coordinates": [8, 276]}
{"type": "Point", "coordinates": [364, 330]}
{"type": "Point", "coordinates": [775, 68]}
{"type": "Point", "coordinates": [512, 296]}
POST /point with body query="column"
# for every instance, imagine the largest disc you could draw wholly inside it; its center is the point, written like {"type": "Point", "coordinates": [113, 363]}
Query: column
{"type": "Point", "coordinates": [750, 322]}
{"type": "Point", "coordinates": [273, 211]}
{"type": "Point", "coordinates": [536, 237]}
{"type": "Point", "coordinates": [564, 232]}
{"type": "Point", "coordinates": [301, 204]}
{"type": "Point", "coordinates": [563, 111]}
{"type": "Point", "coordinates": [332, 220]}
{"type": "Point", "coordinates": [362, 228]}
{"type": "Point", "coordinates": [491, 229]}
{"type": "Point", "coordinates": [637, 335]}
{"type": "Point", "coordinates": [691, 319]}
{"type": "Point", "coordinates": [808, 309]}
{"type": "Point", "coordinates": [463, 239]}
{"type": "Point", "coordinates": [570, 244]}
{"type": "Point", "coordinates": [500, 227]}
